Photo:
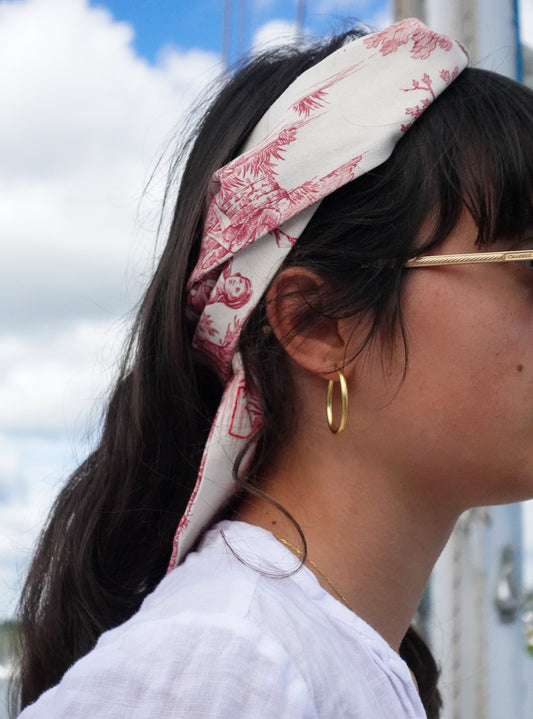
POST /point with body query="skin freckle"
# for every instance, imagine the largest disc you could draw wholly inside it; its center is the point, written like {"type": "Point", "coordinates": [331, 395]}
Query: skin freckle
{"type": "Point", "coordinates": [520, 368]}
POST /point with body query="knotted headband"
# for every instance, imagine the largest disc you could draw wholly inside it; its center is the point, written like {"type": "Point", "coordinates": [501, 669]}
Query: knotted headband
{"type": "Point", "coordinates": [338, 120]}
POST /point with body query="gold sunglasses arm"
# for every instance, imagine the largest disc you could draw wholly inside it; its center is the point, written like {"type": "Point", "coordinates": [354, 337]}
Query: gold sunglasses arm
{"type": "Point", "coordinates": [470, 259]}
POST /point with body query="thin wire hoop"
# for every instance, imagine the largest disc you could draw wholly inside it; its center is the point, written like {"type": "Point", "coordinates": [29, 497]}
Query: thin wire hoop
{"type": "Point", "coordinates": [344, 405]}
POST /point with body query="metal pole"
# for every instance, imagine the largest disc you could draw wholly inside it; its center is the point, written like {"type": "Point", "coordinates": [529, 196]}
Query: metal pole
{"type": "Point", "coordinates": [409, 8]}
{"type": "Point", "coordinates": [226, 32]}
{"type": "Point", "coordinates": [241, 27]}
{"type": "Point", "coordinates": [300, 17]}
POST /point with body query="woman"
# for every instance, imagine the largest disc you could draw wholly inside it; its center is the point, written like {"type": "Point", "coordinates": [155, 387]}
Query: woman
{"type": "Point", "coordinates": [323, 179]}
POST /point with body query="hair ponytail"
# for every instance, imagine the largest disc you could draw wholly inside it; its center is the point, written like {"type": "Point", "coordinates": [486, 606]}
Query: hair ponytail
{"type": "Point", "coordinates": [416, 654]}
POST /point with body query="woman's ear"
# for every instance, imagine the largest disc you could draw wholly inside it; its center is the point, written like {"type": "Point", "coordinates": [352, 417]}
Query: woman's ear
{"type": "Point", "coordinates": [322, 347]}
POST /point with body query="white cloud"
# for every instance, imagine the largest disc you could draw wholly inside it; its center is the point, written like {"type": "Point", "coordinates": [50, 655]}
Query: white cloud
{"type": "Point", "coordinates": [280, 32]}
{"type": "Point", "coordinates": [274, 34]}
{"type": "Point", "coordinates": [381, 18]}
{"type": "Point", "coordinates": [29, 480]}
{"type": "Point", "coordinates": [83, 122]}
{"type": "Point", "coordinates": [49, 380]}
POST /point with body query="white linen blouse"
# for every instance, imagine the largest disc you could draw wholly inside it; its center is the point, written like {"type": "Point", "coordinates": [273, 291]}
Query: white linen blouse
{"type": "Point", "coordinates": [228, 635]}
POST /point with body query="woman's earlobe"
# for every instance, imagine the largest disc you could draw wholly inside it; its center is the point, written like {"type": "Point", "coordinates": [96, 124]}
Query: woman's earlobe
{"type": "Point", "coordinates": [293, 306]}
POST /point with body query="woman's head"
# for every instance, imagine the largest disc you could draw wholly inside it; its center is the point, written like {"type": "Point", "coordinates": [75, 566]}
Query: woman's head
{"type": "Point", "coordinates": [336, 123]}
{"type": "Point", "coordinates": [462, 176]}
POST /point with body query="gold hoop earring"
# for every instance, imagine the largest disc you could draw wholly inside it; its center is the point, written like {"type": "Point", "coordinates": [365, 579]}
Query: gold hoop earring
{"type": "Point", "coordinates": [344, 405]}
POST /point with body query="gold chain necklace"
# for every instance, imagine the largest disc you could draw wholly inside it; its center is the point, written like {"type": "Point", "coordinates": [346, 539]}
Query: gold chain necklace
{"type": "Point", "coordinates": [330, 583]}
{"type": "Point", "coordinates": [315, 566]}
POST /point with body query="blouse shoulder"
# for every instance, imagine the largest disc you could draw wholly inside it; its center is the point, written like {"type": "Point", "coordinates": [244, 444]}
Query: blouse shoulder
{"type": "Point", "coordinates": [193, 649]}
{"type": "Point", "coordinates": [197, 664]}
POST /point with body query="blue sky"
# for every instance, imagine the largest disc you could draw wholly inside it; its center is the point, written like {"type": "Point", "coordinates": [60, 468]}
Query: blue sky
{"type": "Point", "coordinates": [166, 22]}
{"type": "Point", "coordinates": [198, 24]}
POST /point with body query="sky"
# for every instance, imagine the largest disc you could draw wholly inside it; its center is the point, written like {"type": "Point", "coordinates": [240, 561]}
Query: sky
{"type": "Point", "coordinates": [94, 97]}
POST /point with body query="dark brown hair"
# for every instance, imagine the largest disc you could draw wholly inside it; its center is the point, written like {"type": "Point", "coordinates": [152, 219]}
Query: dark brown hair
{"type": "Point", "coordinates": [108, 539]}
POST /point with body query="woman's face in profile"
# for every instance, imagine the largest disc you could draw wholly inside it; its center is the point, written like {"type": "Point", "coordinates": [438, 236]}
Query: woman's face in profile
{"type": "Point", "coordinates": [460, 424]}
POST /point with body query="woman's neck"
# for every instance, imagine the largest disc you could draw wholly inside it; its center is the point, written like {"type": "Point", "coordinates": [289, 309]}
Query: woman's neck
{"type": "Point", "coordinates": [373, 536]}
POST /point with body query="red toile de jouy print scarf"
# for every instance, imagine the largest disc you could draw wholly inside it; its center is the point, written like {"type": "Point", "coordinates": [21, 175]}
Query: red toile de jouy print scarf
{"type": "Point", "coordinates": [338, 120]}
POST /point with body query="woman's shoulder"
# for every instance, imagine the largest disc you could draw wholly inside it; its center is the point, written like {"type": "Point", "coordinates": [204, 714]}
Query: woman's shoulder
{"type": "Point", "coordinates": [221, 576]}
{"type": "Point", "coordinates": [194, 646]}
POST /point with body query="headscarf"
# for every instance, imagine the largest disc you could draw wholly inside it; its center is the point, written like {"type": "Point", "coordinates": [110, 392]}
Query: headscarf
{"type": "Point", "coordinates": [335, 122]}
